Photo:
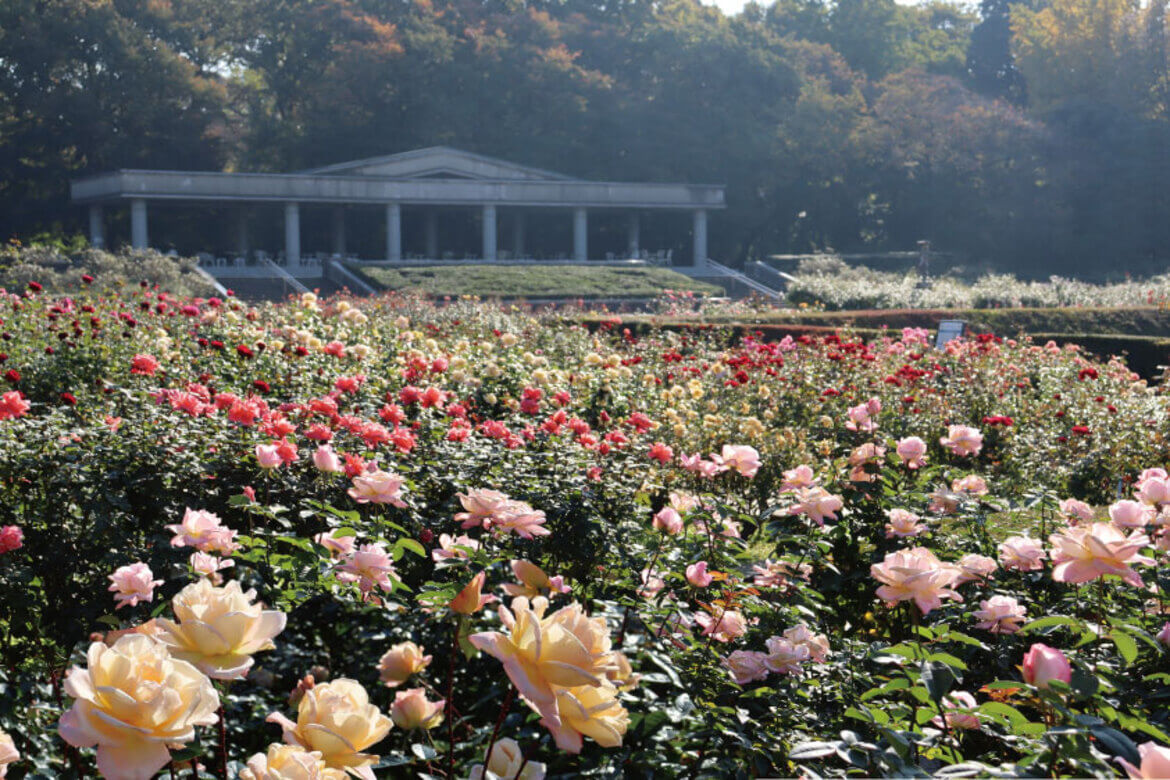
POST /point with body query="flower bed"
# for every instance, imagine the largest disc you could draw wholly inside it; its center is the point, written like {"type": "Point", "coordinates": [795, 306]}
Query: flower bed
{"type": "Point", "coordinates": [388, 538]}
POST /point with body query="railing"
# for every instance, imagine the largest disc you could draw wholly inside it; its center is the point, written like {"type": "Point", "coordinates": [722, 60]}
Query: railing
{"type": "Point", "coordinates": [290, 281]}
{"type": "Point", "coordinates": [745, 280]}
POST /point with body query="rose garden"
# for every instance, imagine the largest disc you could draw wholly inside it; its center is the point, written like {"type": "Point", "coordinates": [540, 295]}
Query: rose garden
{"type": "Point", "coordinates": [386, 538]}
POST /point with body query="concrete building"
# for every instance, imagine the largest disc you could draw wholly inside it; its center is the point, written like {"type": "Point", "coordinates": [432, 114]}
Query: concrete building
{"type": "Point", "coordinates": [429, 179]}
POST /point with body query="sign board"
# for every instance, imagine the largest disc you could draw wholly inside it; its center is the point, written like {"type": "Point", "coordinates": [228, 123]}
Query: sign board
{"type": "Point", "coordinates": [949, 330]}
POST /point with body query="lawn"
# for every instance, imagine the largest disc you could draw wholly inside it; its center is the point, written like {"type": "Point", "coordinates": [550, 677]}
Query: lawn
{"type": "Point", "coordinates": [524, 281]}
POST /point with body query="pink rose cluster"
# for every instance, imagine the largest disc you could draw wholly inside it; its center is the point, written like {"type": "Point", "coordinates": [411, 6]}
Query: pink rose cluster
{"type": "Point", "coordinates": [494, 511]}
{"type": "Point", "coordinates": [785, 655]}
{"type": "Point", "coordinates": [740, 458]}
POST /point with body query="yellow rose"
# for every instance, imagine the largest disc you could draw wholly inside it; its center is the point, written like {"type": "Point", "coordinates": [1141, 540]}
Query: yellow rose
{"type": "Point", "coordinates": [220, 628]}
{"type": "Point", "coordinates": [289, 762]}
{"type": "Point", "coordinates": [565, 649]}
{"type": "Point", "coordinates": [337, 719]}
{"type": "Point", "coordinates": [134, 701]}
{"type": "Point", "coordinates": [588, 711]}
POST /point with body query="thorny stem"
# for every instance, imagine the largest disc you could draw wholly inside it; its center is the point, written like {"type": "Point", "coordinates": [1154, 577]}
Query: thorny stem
{"type": "Point", "coordinates": [451, 697]}
{"type": "Point", "coordinates": [499, 722]}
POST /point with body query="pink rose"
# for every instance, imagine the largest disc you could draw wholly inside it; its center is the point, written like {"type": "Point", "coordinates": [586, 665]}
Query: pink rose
{"type": "Point", "coordinates": [817, 503]}
{"type": "Point", "coordinates": [132, 584]}
{"type": "Point", "coordinates": [1155, 762]}
{"type": "Point", "coordinates": [785, 656]}
{"type": "Point", "coordinates": [1000, 615]}
{"type": "Point", "coordinates": [668, 520]}
{"type": "Point", "coordinates": [1022, 553]}
{"type": "Point", "coordinates": [798, 478]}
{"type": "Point", "coordinates": [326, 460]}
{"type": "Point", "coordinates": [338, 546]}
{"type": "Point", "coordinates": [1129, 514]}
{"type": "Point", "coordinates": [918, 575]}
{"type": "Point", "coordinates": [698, 576]}
{"type": "Point", "coordinates": [746, 666]}
{"type": "Point", "coordinates": [268, 456]}
{"type": "Point", "coordinates": [1043, 663]}
{"type": "Point", "coordinates": [956, 707]}
{"type": "Point", "coordinates": [728, 625]}
{"type": "Point", "coordinates": [1085, 553]}
{"type": "Point", "coordinates": [962, 440]}
{"type": "Point", "coordinates": [1075, 511]}
{"type": "Point", "coordinates": [741, 458]}
{"type": "Point", "coordinates": [912, 451]}
{"type": "Point", "coordinates": [11, 538]}
{"type": "Point", "coordinates": [369, 566]}
{"type": "Point", "coordinates": [903, 524]}
{"type": "Point", "coordinates": [974, 567]}
{"type": "Point", "coordinates": [378, 487]}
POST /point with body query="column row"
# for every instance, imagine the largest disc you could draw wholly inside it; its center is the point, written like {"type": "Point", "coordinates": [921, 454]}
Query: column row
{"type": "Point", "coordinates": [139, 238]}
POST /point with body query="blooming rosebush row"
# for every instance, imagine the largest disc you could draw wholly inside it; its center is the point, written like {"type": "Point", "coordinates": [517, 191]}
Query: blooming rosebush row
{"type": "Point", "coordinates": [378, 537]}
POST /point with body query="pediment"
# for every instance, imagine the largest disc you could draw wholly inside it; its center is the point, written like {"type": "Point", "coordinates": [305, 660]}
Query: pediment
{"type": "Point", "coordinates": [438, 162]}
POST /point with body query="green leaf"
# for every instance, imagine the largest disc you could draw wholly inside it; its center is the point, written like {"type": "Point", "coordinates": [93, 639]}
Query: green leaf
{"type": "Point", "coordinates": [1049, 622]}
{"type": "Point", "coordinates": [938, 679]}
{"type": "Point", "coordinates": [1117, 743]}
{"type": "Point", "coordinates": [1126, 646]}
{"type": "Point", "coordinates": [809, 751]}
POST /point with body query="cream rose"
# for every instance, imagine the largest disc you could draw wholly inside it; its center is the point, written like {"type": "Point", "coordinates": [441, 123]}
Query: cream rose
{"type": "Point", "coordinates": [507, 760]}
{"type": "Point", "coordinates": [337, 719]}
{"type": "Point", "coordinates": [8, 753]}
{"type": "Point", "coordinates": [220, 628]}
{"type": "Point", "coordinates": [400, 662]}
{"type": "Point", "coordinates": [289, 762]}
{"type": "Point", "coordinates": [134, 701]}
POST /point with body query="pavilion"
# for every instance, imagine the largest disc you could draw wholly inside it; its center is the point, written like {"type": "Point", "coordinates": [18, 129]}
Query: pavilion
{"type": "Point", "coordinates": [429, 179]}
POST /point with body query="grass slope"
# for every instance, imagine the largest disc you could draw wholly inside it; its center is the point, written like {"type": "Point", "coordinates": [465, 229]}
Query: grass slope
{"type": "Point", "coordinates": [529, 281]}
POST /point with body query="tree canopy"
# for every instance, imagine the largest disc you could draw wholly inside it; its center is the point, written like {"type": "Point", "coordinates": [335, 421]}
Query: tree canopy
{"type": "Point", "coordinates": [1030, 135]}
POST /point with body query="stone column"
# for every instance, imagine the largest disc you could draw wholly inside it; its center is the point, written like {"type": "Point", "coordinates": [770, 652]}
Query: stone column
{"type": "Point", "coordinates": [432, 235]}
{"type": "Point", "coordinates": [292, 234]}
{"type": "Point", "coordinates": [700, 235]}
{"type": "Point", "coordinates": [518, 235]}
{"type": "Point", "coordinates": [138, 232]}
{"type": "Point", "coordinates": [635, 235]}
{"type": "Point", "coordinates": [489, 232]}
{"type": "Point", "coordinates": [393, 231]}
{"type": "Point", "coordinates": [580, 235]}
{"type": "Point", "coordinates": [242, 247]}
{"type": "Point", "coordinates": [338, 232]}
{"type": "Point", "coordinates": [97, 227]}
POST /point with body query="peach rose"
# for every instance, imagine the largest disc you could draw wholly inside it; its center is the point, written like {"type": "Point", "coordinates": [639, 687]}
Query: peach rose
{"type": "Point", "coordinates": [723, 626]}
{"type": "Point", "coordinates": [472, 598]}
{"type": "Point", "coordinates": [918, 575]}
{"type": "Point", "coordinates": [220, 628]}
{"type": "Point", "coordinates": [533, 581]}
{"type": "Point", "coordinates": [378, 487]}
{"type": "Point", "coordinates": [204, 531]}
{"type": "Point", "coordinates": [134, 701]}
{"type": "Point", "coordinates": [482, 506]}
{"type": "Point", "coordinates": [798, 478]}
{"type": "Point", "coordinates": [8, 753]}
{"type": "Point", "coordinates": [817, 644]}
{"type": "Point", "coordinates": [817, 503]}
{"type": "Point", "coordinates": [1085, 553]}
{"type": "Point", "coordinates": [411, 710]}
{"type": "Point", "coordinates": [337, 720]}
{"type": "Point", "coordinates": [1129, 514]}
{"type": "Point", "coordinates": [400, 662]}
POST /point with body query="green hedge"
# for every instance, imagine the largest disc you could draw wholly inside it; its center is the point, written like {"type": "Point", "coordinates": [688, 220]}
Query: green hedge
{"type": "Point", "coordinates": [534, 281]}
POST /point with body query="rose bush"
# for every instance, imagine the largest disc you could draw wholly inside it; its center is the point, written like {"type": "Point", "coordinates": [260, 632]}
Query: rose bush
{"type": "Point", "coordinates": [458, 539]}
